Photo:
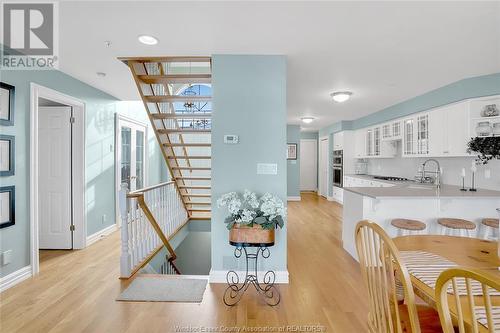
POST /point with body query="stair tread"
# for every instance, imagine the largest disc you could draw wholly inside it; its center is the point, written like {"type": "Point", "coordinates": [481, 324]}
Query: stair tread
{"type": "Point", "coordinates": [180, 116]}
{"type": "Point", "coordinates": [197, 195]}
{"type": "Point", "coordinates": [189, 157]}
{"type": "Point", "coordinates": [199, 210]}
{"type": "Point", "coordinates": [175, 78]}
{"type": "Point", "coordinates": [184, 131]}
{"type": "Point", "coordinates": [192, 168]}
{"type": "Point", "coordinates": [187, 144]}
{"type": "Point", "coordinates": [193, 178]}
{"type": "Point", "coordinates": [195, 187]}
{"type": "Point", "coordinates": [198, 203]}
{"type": "Point", "coordinates": [176, 98]}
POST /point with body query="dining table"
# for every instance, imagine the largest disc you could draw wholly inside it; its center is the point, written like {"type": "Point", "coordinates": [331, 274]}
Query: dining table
{"type": "Point", "coordinates": [463, 251]}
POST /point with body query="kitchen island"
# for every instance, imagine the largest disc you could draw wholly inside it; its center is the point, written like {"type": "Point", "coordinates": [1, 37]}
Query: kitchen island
{"type": "Point", "coordinates": [412, 200]}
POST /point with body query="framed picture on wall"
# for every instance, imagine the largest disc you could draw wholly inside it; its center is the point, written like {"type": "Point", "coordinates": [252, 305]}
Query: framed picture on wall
{"type": "Point", "coordinates": [7, 206]}
{"type": "Point", "coordinates": [7, 153]}
{"type": "Point", "coordinates": [291, 151]}
{"type": "Point", "coordinates": [6, 104]}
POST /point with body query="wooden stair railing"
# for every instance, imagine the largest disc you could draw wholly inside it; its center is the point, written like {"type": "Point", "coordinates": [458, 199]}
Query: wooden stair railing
{"type": "Point", "coordinates": [150, 217]}
{"type": "Point", "coordinates": [184, 135]}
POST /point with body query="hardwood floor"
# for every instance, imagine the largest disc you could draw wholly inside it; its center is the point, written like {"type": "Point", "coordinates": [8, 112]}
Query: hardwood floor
{"type": "Point", "coordinates": [76, 291]}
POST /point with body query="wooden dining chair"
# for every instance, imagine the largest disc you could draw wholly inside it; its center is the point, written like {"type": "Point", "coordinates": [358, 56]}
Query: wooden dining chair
{"type": "Point", "coordinates": [388, 280]}
{"type": "Point", "coordinates": [469, 292]}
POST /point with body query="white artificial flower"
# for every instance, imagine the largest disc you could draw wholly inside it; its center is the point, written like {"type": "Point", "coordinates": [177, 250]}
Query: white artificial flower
{"type": "Point", "coordinates": [251, 198]}
{"type": "Point", "coordinates": [247, 216]}
{"type": "Point", "coordinates": [272, 206]}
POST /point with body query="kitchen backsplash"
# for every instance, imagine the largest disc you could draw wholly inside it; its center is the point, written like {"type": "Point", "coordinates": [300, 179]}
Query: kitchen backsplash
{"type": "Point", "coordinates": [452, 168]}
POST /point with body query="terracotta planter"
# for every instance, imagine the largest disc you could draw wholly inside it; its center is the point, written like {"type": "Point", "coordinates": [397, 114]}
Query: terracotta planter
{"type": "Point", "coordinates": [242, 234]}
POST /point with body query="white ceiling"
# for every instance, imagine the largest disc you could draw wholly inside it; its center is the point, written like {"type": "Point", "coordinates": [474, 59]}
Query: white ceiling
{"type": "Point", "coordinates": [385, 52]}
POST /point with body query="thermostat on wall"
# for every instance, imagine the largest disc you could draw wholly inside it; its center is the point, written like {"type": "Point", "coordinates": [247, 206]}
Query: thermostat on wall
{"type": "Point", "coordinates": [231, 139]}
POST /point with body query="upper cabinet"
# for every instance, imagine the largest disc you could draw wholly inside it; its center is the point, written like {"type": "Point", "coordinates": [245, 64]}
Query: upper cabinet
{"type": "Point", "coordinates": [391, 130]}
{"type": "Point", "coordinates": [450, 130]}
{"type": "Point", "coordinates": [369, 144]}
{"type": "Point", "coordinates": [439, 132]}
{"type": "Point", "coordinates": [416, 135]}
{"type": "Point", "coordinates": [338, 141]}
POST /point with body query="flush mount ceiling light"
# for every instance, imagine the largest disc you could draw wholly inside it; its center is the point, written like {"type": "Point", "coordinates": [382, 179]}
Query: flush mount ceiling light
{"type": "Point", "coordinates": [148, 40]}
{"type": "Point", "coordinates": [341, 96]}
{"type": "Point", "coordinates": [307, 120]}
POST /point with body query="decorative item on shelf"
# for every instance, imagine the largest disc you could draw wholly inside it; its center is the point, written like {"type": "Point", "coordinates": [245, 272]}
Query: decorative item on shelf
{"type": "Point", "coordinates": [483, 128]}
{"type": "Point", "coordinates": [7, 102]}
{"type": "Point", "coordinates": [490, 110]}
{"type": "Point", "coordinates": [463, 180]}
{"type": "Point", "coordinates": [496, 129]}
{"type": "Point", "coordinates": [251, 223]}
{"type": "Point", "coordinates": [474, 170]}
{"type": "Point", "coordinates": [8, 200]}
{"type": "Point", "coordinates": [7, 155]}
{"type": "Point", "coordinates": [485, 148]}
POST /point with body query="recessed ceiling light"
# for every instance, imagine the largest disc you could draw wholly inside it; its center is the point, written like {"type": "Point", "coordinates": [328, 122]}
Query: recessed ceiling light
{"type": "Point", "coordinates": [148, 40]}
{"type": "Point", "coordinates": [101, 74]}
{"type": "Point", "coordinates": [341, 96]}
{"type": "Point", "coordinates": [307, 120]}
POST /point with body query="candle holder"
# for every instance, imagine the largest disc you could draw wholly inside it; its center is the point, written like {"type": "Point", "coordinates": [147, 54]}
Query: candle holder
{"type": "Point", "coordinates": [473, 189]}
{"type": "Point", "coordinates": [463, 184]}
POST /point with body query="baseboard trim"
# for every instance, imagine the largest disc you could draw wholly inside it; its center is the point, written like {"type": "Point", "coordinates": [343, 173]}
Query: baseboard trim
{"type": "Point", "coordinates": [329, 198]}
{"type": "Point", "coordinates": [14, 278]}
{"type": "Point", "coordinates": [220, 276]}
{"type": "Point", "coordinates": [100, 234]}
{"type": "Point", "coordinates": [293, 198]}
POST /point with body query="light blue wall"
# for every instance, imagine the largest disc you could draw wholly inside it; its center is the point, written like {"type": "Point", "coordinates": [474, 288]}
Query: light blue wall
{"type": "Point", "coordinates": [293, 135]}
{"type": "Point", "coordinates": [309, 135]}
{"type": "Point", "coordinates": [99, 155]}
{"type": "Point", "coordinates": [249, 99]}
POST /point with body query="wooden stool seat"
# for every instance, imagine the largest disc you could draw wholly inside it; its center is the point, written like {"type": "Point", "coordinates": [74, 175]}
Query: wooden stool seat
{"type": "Point", "coordinates": [492, 223]}
{"type": "Point", "coordinates": [406, 224]}
{"type": "Point", "coordinates": [456, 223]}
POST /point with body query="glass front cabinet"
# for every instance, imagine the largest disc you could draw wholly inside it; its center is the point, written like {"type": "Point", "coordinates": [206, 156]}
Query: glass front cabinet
{"type": "Point", "coordinates": [416, 136]}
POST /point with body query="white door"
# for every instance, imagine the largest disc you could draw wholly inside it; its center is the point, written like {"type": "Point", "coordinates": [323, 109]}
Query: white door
{"type": "Point", "coordinates": [323, 167]}
{"type": "Point", "coordinates": [308, 165]}
{"type": "Point", "coordinates": [54, 189]}
{"type": "Point", "coordinates": [131, 143]}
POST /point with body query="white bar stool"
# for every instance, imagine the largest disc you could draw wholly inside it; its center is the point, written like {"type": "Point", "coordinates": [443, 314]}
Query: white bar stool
{"type": "Point", "coordinates": [489, 227]}
{"type": "Point", "coordinates": [408, 227]}
{"type": "Point", "coordinates": [456, 227]}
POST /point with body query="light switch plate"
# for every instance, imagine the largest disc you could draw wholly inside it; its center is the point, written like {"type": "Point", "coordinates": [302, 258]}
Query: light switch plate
{"type": "Point", "coordinates": [7, 257]}
{"type": "Point", "coordinates": [267, 168]}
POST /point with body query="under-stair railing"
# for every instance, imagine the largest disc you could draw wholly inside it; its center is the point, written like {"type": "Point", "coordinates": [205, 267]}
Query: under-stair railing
{"type": "Point", "coordinates": [150, 217]}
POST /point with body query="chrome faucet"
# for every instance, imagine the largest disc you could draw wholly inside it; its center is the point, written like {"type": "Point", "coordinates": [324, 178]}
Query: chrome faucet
{"type": "Point", "coordinates": [437, 178]}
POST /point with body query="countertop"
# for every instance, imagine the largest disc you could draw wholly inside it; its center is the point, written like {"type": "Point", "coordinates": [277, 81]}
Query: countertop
{"type": "Point", "coordinates": [402, 189]}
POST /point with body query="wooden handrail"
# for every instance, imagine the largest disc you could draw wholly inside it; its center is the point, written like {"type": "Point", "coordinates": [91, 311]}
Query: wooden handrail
{"type": "Point", "coordinates": [137, 193]}
{"type": "Point", "coordinates": [154, 224]}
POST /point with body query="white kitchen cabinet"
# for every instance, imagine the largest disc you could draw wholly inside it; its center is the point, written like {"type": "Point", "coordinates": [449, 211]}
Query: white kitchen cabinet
{"type": "Point", "coordinates": [338, 194]}
{"type": "Point", "coordinates": [391, 131]}
{"type": "Point", "coordinates": [338, 141]}
{"type": "Point", "coordinates": [359, 144]}
{"type": "Point", "coordinates": [353, 181]}
{"type": "Point", "coordinates": [455, 130]}
{"type": "Point", "coordinates": [416, 136]}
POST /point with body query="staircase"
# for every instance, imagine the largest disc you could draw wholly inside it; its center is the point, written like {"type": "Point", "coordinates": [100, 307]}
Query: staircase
{"type": "Point", "coordinates": [177, 95]}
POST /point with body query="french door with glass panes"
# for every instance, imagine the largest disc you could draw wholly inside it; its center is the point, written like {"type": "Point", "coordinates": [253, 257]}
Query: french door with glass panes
{"type": "Point", "coordinates": [131, 138]}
